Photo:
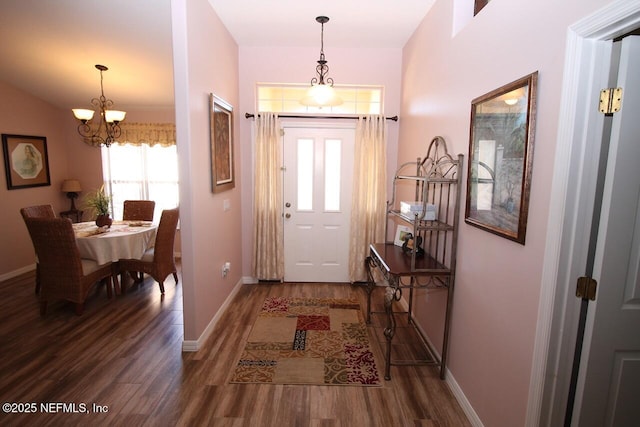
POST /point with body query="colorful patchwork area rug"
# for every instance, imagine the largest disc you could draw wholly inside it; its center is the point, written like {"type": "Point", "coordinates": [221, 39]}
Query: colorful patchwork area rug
{"type": "Point", "coordinates": [321, 341]}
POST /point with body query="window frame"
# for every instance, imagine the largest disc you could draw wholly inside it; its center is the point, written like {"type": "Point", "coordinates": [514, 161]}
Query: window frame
{"type": "Point", "coordinates": [354, 95]}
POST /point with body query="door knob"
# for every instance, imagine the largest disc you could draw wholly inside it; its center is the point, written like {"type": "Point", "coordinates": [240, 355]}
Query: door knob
{"type": "Point", "coordinates": [288, 205]}
{"type": "Point", "coordinates": [287, 215]}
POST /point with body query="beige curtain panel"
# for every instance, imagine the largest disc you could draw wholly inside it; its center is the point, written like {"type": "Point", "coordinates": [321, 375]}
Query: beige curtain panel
{"type": "Point", "coordinates": [163, 134]}
{"type": "Point", "coordinates": [268, 246]}
{"type": "Point", "coordinates": [369, 199]}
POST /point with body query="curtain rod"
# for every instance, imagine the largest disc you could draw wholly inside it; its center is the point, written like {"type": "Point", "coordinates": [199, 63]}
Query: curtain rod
{"type": "Point", "coordinates": [290, 116]}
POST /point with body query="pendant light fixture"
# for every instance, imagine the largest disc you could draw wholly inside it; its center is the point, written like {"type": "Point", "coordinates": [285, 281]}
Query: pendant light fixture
{"type": "Point", "coordinates": [321, 93]}
{"type": "Point", "coordinates": [107, 129]}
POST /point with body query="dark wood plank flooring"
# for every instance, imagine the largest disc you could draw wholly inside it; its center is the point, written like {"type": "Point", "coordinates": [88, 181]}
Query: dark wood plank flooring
{"type": "Point", "coordinates": [124, 357]}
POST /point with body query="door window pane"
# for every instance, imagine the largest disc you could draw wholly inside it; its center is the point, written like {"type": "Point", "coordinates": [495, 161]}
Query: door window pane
{"type": "Point", "coordinates": [305, 174]}
{"type": "Point", "coordinates": [332, 163]}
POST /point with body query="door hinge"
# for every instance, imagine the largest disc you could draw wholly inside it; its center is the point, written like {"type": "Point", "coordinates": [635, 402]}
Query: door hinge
{"type": "Point", "coordinates": [610, 100]}
{"type": "Point", "coordinates": [586, 288]}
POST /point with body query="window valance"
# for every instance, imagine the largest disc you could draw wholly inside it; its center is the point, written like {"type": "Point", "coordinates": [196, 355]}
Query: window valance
{"type": "Point", "coordinates": [163, 134]}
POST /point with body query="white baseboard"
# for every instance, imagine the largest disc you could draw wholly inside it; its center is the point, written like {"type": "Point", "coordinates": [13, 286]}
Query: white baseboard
{"type": "Point", "coordinates": [194, 345]}
{"type": "Point", "coordinates": [16, 273]}
{"type": "Point", "coordinates": [449, 379]}
{"type": "Point", "coordinates": [463, 401]}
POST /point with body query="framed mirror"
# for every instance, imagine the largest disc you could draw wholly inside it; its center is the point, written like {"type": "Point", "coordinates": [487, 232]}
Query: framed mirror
{"type": "Point", "coordinates": [501, 159]}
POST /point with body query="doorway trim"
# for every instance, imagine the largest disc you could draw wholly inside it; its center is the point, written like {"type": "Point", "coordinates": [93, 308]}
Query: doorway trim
{"type": "Point", "coordinates": [580, 129]}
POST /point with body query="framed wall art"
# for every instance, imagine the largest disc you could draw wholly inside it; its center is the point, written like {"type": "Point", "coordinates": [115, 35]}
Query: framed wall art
{"type": "Point", "coordinates": [501, 159]}
{"type": "Point", "coordinates": [222, 173]}
{"type": "Point", "coordinates": [26, 161]}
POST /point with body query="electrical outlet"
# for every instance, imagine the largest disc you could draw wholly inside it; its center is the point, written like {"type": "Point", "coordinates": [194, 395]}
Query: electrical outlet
{"type": "Point", "coordinates": [225, 268]}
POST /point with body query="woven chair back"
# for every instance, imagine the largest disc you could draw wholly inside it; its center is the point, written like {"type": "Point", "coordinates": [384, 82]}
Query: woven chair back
{"type": "Point", "coordinates": [165, 238]}
{"type": "Point", "coordinates": [58, 257]}
{"type": "Point", "coordinates": [138, 210]}
{"type": "Point", "coordinates": [38, 211]}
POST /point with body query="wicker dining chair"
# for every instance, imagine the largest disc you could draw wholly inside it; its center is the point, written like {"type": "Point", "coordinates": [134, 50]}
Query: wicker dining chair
{"type": "Point", "coordinates": [138, 210]}
{"type": "Point", "coordinates": [158, 261]}
{"type": "Point", "coordinates": [38, 211]}
{"type": "Point", "coordinates": [63, 274]}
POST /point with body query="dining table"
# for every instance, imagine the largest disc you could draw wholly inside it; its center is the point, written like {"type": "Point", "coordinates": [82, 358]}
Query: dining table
{"type": "Point", "coordinates": [122, 240]}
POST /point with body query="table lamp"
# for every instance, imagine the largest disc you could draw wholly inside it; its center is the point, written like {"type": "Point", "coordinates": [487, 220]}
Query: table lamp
{"type": "Point", "coordinates": [72, 188]}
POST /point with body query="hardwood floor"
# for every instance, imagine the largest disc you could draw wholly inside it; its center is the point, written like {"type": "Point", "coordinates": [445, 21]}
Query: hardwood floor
{"type": "Point", "coordinates": [125, 356]}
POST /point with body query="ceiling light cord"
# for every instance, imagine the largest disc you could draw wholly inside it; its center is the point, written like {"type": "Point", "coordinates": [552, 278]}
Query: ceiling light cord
{"type": "Point", "coordinates": [322, 69]}
{"type": "Point", "coordinates": [321, 93]}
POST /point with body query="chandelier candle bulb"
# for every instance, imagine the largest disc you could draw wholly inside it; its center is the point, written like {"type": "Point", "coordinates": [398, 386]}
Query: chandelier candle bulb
{"type": "Point", "coordinates": [82, 114]}
{"type": "Point", "coordinates": [114, 116]}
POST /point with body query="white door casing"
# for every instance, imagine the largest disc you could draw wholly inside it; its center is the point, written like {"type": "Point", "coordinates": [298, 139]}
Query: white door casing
{"type": "Point", "coordinates": [587, 54]}
{"type": "Point", "coordinates": [317, 219]}
{"type": "Point", "coordinates": [609, 379]}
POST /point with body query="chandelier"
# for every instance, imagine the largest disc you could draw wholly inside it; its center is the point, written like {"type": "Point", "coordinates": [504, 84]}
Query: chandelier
{"type": "Point", "coordinates": [107, 129]}
{"type": "Point", "coordinates": [321, 93]}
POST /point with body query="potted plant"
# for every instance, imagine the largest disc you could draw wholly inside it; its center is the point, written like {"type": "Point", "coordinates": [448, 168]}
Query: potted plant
{"type": "Point", "coordinates": [100, 202]}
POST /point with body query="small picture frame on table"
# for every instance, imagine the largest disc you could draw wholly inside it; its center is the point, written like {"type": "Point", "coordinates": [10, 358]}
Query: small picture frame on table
{"type": "Point", "coordinates": [401, 231]}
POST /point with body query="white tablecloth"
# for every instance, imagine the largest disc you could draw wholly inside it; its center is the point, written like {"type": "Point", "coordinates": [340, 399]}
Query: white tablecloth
{"type": "Point", "coordinates": [123, 240]}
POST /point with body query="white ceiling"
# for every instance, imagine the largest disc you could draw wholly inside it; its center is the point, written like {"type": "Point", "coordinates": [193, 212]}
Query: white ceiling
{"type": "Point", "coordinates": [49, 48]}
{"type": "Point", "coordinates": [353, 23]}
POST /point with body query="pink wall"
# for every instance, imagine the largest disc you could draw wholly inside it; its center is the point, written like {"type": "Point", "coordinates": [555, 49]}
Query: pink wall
{"type": "Point", "coordinates": [205, 61]}
{"type": "Point", "coordinates": [498, 281]}
{"type": "Point", "coordinates": [297, 65]}
{"type": "Point", "coordinates": [23, 114]}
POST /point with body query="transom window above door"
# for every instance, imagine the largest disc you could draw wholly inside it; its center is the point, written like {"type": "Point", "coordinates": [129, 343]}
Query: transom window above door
{"type": "Point", "coordinates": [285, 98]}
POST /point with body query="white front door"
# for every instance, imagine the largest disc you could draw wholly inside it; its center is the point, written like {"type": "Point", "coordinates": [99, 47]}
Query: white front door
{"type": "Point", "coordinates": [609, 377]}
{"type": "Point", "coordinates": [318, 164]}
